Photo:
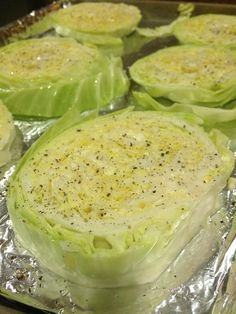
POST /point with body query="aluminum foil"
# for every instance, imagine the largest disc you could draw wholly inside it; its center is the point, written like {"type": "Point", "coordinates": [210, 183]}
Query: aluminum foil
{"type": "Point", "coordinates": [201, 279]}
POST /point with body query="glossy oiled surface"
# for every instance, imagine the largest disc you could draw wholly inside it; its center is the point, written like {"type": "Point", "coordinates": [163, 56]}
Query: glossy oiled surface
{"type": "Point", "coordinates": [154, 13]}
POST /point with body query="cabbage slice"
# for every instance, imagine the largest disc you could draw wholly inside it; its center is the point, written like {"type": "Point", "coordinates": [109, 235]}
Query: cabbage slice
{"type": "Point", "coordinates": [102, 24]}
{"type": "Point", "coordinates": [190, 74]}
{"type": "Point", "coordinates": [7, 135]}
{"type": "Point", "coordinates": [184, 12]}
{"type": "Point", "coordinates": [111, 200]}
{"type": "Point", "coordinates": [207, 29]}
{"type": "Point", "coordinates": [223, 119]}
{"type": "Point", "coordinates": [108, 26]}
{"type": "Point", "coordinates": [44, 77]}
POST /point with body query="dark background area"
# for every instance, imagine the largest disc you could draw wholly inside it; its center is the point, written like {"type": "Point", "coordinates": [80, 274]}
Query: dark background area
{"type": "Point", "coordinates": [10, 10]}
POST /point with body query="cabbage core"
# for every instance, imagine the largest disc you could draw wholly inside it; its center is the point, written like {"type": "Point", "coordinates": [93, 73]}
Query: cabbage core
{"type": "Point", "coordinates": [110, 200]}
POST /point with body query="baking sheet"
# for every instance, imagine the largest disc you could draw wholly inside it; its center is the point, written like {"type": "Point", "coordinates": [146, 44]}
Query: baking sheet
{"type": "Point", "coordinates": [195, 283]}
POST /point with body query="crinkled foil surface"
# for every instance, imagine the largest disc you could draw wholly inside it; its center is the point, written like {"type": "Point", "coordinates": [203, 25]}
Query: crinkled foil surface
{"type": "Point", "coordinates": [201, 280]}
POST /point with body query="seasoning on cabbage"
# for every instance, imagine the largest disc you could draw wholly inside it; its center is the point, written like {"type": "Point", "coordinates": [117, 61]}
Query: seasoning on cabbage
{"type": "Point", "coordinates": [205, 29]}
{"type": "Point", "coordinates": [44, 77]}
{"type": "Point", "coordinates": [196, 75]}
{"type": "Point", "coordinates": [110, 201]}
{"type": "Point", "coordinates": [102, 24]}
{"type": "Point", "coordinates": [223, 118]}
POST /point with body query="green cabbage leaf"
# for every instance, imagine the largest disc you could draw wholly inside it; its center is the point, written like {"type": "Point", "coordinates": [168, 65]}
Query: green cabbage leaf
{"type": "Point", "coordinates": [223, 119]}
{"type": "Point", "coordinates": [10, 138]}
{"type": "Point", "coordinates": [106, 26]}
{"type": "Point", "coordinates": [103, 201]}
{"type": "Point", "coordinates": [195, 75]}
{"type": "Point", "coordinates": [109, 27]}
{"type": "Point", "coordinates": [44, 77]}
{"type": "Point", "coordinates": [184, 12]}
{"type": "Point", "coordinates": [204, 29]}
{"type": "Point", "coordinates": [102, 24]}
{"type": "Point", "coordinates": [207, 29]}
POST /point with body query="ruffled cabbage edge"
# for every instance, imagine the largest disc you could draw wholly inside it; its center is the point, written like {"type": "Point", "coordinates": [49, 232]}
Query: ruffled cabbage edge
{"type": "Point", "coordinates": [192, 95]}
{"type": "Point", "coordinates": [223, 119]}
{"type": "Point", "coordinates": [71, 254]}
{"type": "Point", "coordinates": [47, 99]}
{"type": "Point", "coordinates": [117, 44]}
{"type": "Point", "coordinates": [179, 28]}
{"type": "Point", "coordinates": [11, 146]}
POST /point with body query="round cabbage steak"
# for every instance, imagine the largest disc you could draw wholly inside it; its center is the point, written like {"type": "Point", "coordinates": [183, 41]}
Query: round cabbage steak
{"type": "Point", "coordinates": [97, 23]}
{"type": "Point", "coordinates": [191, 74]}
{"type": "Point", "coordinates": [207, 29]}
{"type": "Point", "coordinates": [111, 201]}
{"type": "Point", "coordinates": [45, 77]}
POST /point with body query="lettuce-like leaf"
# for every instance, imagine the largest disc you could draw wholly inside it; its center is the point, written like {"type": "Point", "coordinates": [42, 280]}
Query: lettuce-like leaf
{"type": "Point", "coordinates": [190, 74]}
{"type": "Point", "coordinates": [7, 135]}
{"type": "Point", "coordinates": [184, 9]}
{"type": "Point", "coordinates": [223, 119]}
{"type": "Point", "coordinates": [44, 77]}
{"type": "Point", "coordinates": [109, 27]}
{"type": "Point", "coordinates": [207, 29]}
{"type": "Point", "coordinates": [101, 24]}
{"type": "Point", "coordinates": [104, 201]}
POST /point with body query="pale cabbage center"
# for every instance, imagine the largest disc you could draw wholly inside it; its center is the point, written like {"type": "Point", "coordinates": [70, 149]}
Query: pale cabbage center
{"type": "Point", "coordinates": [120, 170]}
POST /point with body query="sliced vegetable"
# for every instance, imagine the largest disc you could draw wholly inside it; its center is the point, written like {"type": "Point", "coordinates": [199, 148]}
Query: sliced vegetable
{"type": "Point", "coordinates": [223, 119]}
{"type": "Point", "coordinates": [207, 29]}
{"type": "Point", "coordinates": [189, 74]}
{"type": "Point", "coordinates": [184, 9]}
{"type": "Point", "coordinates": [102, 24]}
{"type": "Point", "coordinates": [111, 201]}
{"type": "Point", "coordinates": [7, 135]}
{"type": "Point", "coordinates": [44, 77]}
